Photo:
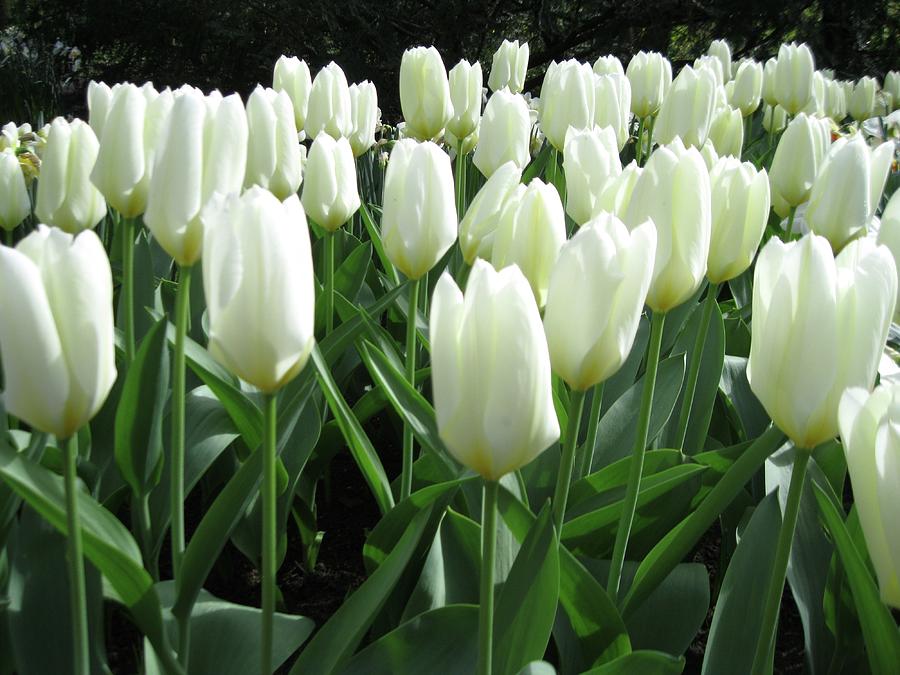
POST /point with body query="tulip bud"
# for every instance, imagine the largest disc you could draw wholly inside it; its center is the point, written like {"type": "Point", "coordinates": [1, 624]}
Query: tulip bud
{"type": "Point", "coordinates": [424, 93]}
{"type": "Point", "coordinates": [811, 309]}
{"type": "Point", "coordinates": [616, 196]}
{"type": "Point", "coordinates": [595, 299]}
{"type": "Point", "coordinates": [330, 194]}
{"type": "Point", "coordinates": [531, 231]}
{"type": "Point", "coordinates": [419, 220]}
{"type": "Point", "coordinates": [612, 105]}
{"type": "Point", "coordinates": [768, 91]}
{"type": "Point", "coordinates": [607, 65]}
{"type": "Point", "coordinates": [870, 433]}
{"type": "Point", "coordinates": [674, 192]}
{"type": "Point", "coordinates": [476, 229]}
{"type": "Point", "coordinates": [365, 114]}
{"type": "Point", "coordinates": [713, 65]}
{"type": "Point", "coordinates": [504, 134]}
{"type": "Point", "coordinates": [498, 416]}
{"type": "Point", "coordinates": [125, 160]}
{"type": "Point", "coordinates": [591, 160]}
{"type": "Point", "coordinates": [862, 101]}
{"type": "Point", "coordinates": [203, 151]}
{"type": "Point", "coordinates": [57, 338]}
{"type": "Point", "coordinates": [747, 87]}
{"type": "Point", "coordinates": [797, 159]}
{"type": "Point", "coordinates": [15, 204]}
{"type": "Point", "coordinates": [650, 75]}
{"type": "Point", "coordinates": [99, 99]}
{"type": "Point", "coordinates": [794, 77]}
{"type": "Point", "coordinates": [721, 50]}
{"type": "Point", "coordinates": [892, 87]}
{"type": "Point", "coordinates": [567, 95]}
{"type": "Point", "coordinates": [292, 76]}
{"type": "Point", "coordinates": [889, 234]}
{"type": "Point", "coordinates": [509, 67]}
{"type": "Point", "coordinates": [774, 119]}
{"type": "Point", "coordinates": [273, 151]}
{"type": "Point", "coordinates": [847, 189]}
{"type": "Point", "coordinates": [258, 247]}
{"type": "Point", "coordinates": [329, 104]}
{"type": "Point", "coordinates": [740, 209]}
{"type": "Point", "coordinates": [687, 110]}
{"type": "Point", "coordinates": [835, 101]}
{"type": "Point", "coordinates": [66, 198]}
{"type": "Point", "coordinates": [465, 94]}
{"type": "Point", "coordinates": [727, 132]}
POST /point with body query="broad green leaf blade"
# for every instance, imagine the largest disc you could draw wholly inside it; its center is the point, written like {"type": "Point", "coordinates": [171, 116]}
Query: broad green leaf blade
{"type": "Point", "coordinates": [879, 630]}
{"type": "Point", "coordinates": [713, 357]}
{"type": "Point", "coordinates": [738, 615]}
{"type": "Point", "coordinates": [443, 640]}
{"type": "Point", "coordinates": [412, 407]}
{"type": "Point", "coordinates": [335, 642]}
{"type": "Point", "coordinates": [593, 616]}
{"type": "Point", "coordinates": [617, 429]}
{"type": "Point", "coordinates": [375, 238]}
{"type": "Point", "coordinates": [641, 663]}
{"type": "Point", "coordinates": [225, 637]}
{"type": "Point", "coordinates": [107, 544]}
{"type": "Point", "coordinates": [736, 387]}
{"type": "Point", "coordinates": [526, 605]}
{"type": "Point", "coordinates": [672, 549]}
{"type": "Point", "coordinates": [139, 416]}
{"type": "Point", "coordinates": [38, 596]}
{"type": "Point", "coordinates": [360, 446]}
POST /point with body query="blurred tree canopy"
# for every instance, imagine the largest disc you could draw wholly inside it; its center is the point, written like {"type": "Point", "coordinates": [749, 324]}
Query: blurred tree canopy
{"type": "Point", "coordinates": [232, 44]}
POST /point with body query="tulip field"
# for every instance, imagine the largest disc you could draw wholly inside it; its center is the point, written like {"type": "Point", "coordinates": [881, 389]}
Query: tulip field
{"type": "Point", "coordinates": [601, 376]}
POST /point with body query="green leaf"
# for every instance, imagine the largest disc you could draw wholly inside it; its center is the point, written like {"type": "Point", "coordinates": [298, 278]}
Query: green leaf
{"type": "Point", "coordinates": [38, 596]}
{"type": "Point", "coordinates": [712, 359]}
{"type": "Point", "coordinates": [360, 446]}
{"type": "Point", "coordinates": [412, 407]}
{"type": "Point", "coordinates": [225, 637]}
{"type": "Point", "coordinates": [593, 616]}
{"type": "Point", "coordinates": [736, 387]}
{"type": "Point", "coordinates": [616, 474]}
{"type": "Point", "coordinates": [443, 640]}
{"type": "Point", "coordinates": [617, 429]}
{"type": "Point", "coordinates": [335, 642]}
{"type": "Point", "coordinates": [641, 663]}
{"type": "Point", "coordinates": [451, 570]}
{"type": "Point", "coordinates": [375, 238]}
{"type": "Point", "coordinates": [139, 416]}
{"type": "Point", "coordinates": [107, 544]}
{"type": "Point", "coordinates": [594, 531]}
{"type": "Point", "coordinates": [878, 628]}
{"type": "Point", "coordinates": [538, 165]}
{"type": "Point", "coordinates": [526, 605]}
{"type": "Point", "coordinates": [673, 547]}
{"type": "Point", "coordinates": [739, 611]}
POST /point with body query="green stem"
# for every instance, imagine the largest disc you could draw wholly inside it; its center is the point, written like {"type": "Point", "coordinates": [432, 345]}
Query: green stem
{"type": "Point", "coordinates": [488, 555]}
{"type": "Point", "coordinates": [779, 568]}
{"type": "Point", "coordinates": [790, 226]}
{"type": "Point", "coordinates": [77, 592]}
{"type": "Point", "coordinates": [567, 460]}
{"type": "Point", "coordinates": [141, 505]}
{"type": "Point", "coordinates": [329, 282]}
{"type": "Point", "coordinates": [11, 237]}
{"type": "Point", "coordinates": [176, 470]}
{"type": "Point", "coordinates": [690, 387]}
{"type": "Point", "coordinates": [269, 544]}
{"type": "Point", "coordinates": [629, 503]}
{"type": "Point", "coordinates": [463, 275]}
{"type": "Point", "coordinates": [650, 136]}
{"type": "Point", "coordinates": [748, 127]}
{"type": "Point", "coordinates": [460, 189]}
{"type": "Point", "coordinates": [639, 146]}
{"type": "Point", "coordinates": [587, 455]}
{"type": "Point", "coordinates": [128, 232]}
{"type": "Point", "coordinates": [406, 471]}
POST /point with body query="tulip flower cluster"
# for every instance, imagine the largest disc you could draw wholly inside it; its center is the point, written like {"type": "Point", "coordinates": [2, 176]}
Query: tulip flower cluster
{"type": "Point", "coordinates": [590, 262]}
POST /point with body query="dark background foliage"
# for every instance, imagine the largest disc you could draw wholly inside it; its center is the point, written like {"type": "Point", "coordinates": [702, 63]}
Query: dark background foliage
{"type": "Point", "coordinates": [233, 44]}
